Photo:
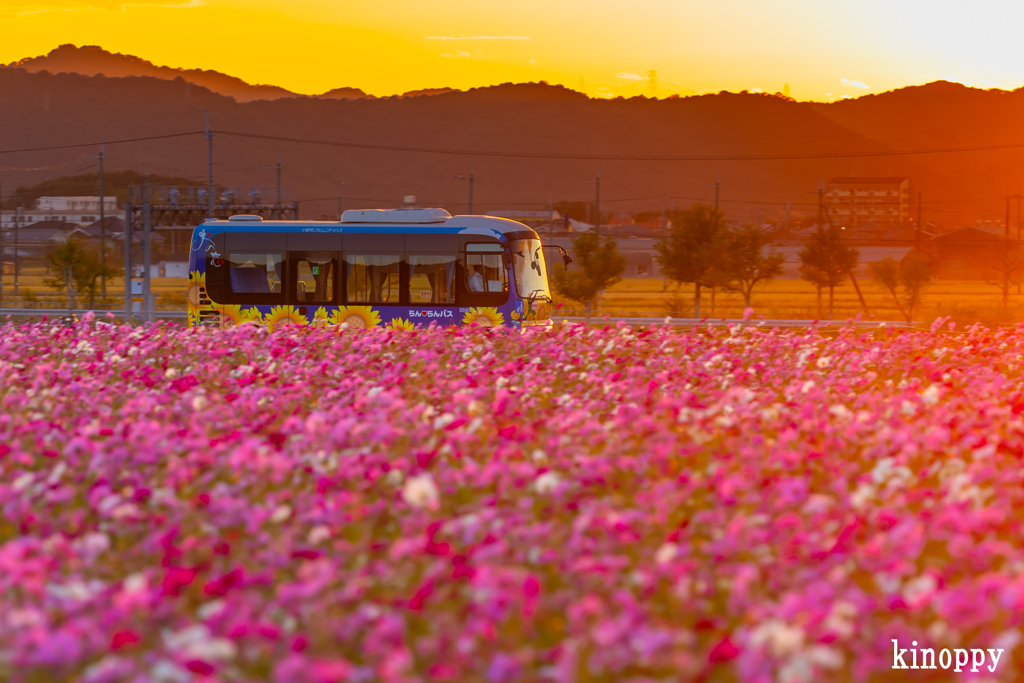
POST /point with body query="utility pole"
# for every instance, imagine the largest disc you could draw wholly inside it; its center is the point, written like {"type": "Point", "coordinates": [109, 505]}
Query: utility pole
{"type": "Point", "coordinates": [103, 230]}
{"type": "Point", "coordinates": [471, 177]}
{"type": "Point", "coordinates": [821, 204]}
{"type": "Point", "coordinates": [919, 224]}
{"type": "Point", "coordinates": [209, 182]}
{"type": "Point", "coordinates": [1006, 232]}
{"type": "Point", "coordinates": [16, 259]}
{"type": "Point", "coordinates": [597, 202]}
{"type": "Point", "coordinates": [147, 209]}
{"type": "Point", "coordinates": [664, 234]}
{"type": "Point", "coordinates": [129, 217]}
{"type": "Point", "coordinates": [718, 184]}
{"type": "Point", "coordinates": [278, 168]}
{"type": "Point", "coordinates": [339, 200]}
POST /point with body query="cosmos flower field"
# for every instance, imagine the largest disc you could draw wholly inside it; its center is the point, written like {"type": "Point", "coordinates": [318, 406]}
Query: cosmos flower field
{"type": "Point", "coordinates": [317, 505]}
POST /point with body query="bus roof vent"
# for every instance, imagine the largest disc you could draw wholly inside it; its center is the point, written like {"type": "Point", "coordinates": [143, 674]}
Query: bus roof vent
{"type": "Point", "coordinates": [245, 217]}
{"type": "Point", "coordinates": [395, 216]}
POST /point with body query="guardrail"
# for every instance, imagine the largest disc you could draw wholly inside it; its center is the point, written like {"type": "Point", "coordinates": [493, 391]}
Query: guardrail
{"type": "Point", "coordinates": [692, 322]}
{"type": "Point", "coordinates": [79, 312]}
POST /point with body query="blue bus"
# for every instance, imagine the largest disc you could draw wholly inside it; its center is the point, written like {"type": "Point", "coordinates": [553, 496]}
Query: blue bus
{"type": "Point", "coordinates": [395, 268]}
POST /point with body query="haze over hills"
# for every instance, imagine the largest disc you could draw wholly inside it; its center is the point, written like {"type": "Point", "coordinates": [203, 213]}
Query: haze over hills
{"type": "Point", "coordinates": [42, 109]}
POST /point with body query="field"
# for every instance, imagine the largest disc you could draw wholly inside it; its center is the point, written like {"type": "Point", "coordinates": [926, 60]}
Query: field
{"type": "Point", "coordinates": [468, 505]}
{"type": "Point", "coordinates": [965, 302]}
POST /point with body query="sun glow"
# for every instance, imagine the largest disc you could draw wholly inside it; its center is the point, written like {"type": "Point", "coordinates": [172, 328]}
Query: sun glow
{"type": "Point", "coordinates": [388, 47]}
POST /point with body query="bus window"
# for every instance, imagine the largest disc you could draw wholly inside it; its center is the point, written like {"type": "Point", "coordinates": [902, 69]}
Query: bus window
{"type": "Point", "coordinates": [431, 279]}
{"type": "Point", "coordinates": [484, 278]}
{"type": "Point", "coordinates": [372, 279]}
{"type": "Point", "coordinates": [254, 273]}
{"type": "Point", "coordinates": [314, 278]}
{"type": "Point", "coordinates": [485, 270]}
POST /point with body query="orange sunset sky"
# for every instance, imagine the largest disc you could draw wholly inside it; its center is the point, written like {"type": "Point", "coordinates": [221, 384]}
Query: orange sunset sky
{"type": "Point", "coordinates": [823, 50]}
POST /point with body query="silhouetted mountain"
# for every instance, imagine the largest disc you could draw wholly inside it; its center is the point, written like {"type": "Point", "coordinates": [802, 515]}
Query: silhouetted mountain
{"type": "Point", "coordinates": [343, 94]}
{"type": "Point", "coordinates": [91, 60]}
{"type": "Point", "coordinates": [427, 91]}
{"type": "Point", "coordinates": [47, 110]}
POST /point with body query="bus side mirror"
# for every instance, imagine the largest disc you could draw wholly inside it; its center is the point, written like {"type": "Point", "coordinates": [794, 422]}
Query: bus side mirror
{"type": "Point", "coordinates": [566, 259]}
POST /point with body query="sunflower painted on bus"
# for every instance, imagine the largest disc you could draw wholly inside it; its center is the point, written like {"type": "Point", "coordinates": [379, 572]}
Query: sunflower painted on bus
{"type": "Point", "coordinates": [394, 268]}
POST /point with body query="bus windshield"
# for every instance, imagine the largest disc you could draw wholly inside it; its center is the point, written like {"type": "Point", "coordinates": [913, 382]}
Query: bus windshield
{"type": "Point", "coordinates": [530, 270]}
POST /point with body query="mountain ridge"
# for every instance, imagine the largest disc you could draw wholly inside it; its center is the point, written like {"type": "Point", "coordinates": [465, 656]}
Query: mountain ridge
{"type": "Point", "coordinates": [44, 109]}
{"type": "Point", "coordinates": [93, 60]}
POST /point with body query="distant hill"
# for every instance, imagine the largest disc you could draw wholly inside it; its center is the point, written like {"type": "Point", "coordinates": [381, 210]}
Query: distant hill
{"type": "Point", "coordinates": [40, 109]}
{"type": "Point", "coordinates": [115, 184]}
{"type": "Point", "coordinates": [343, 94]}
{"type": "Point", "coordinates": [91, 60]}
{"type": "Point", "coordinates": [428, 91]}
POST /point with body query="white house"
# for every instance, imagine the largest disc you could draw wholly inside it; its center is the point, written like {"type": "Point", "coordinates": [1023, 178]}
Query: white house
{"type": "Point", "coordinates": [75, 210]}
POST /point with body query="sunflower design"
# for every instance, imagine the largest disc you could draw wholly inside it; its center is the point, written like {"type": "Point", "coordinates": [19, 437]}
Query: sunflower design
{"type": "Point", "coordinates": [231, 315]}
{"type": "Point", "coordinates": [252, 315]}
{"type": "Point", "coordinates": [284, 315]}
{"type": "Point", "coordinates": [484, 317]}
{"type": "Point", "coordinates": [321, 318]}
{"type": "Point", "coordinates": [515, 315]}
{"type": "Point", "coordinates": [400, 324]}
{"type": "Point", "coordinates": [193, 317]}
{"type": "Point", "coordinates": [359, 317]}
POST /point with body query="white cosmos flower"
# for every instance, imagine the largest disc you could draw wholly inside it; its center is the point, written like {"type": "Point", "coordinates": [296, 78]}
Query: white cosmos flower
{"type": "Point", "coordinates": [421, 491]}
{"type": "Point", "coordinates": [547, 482]}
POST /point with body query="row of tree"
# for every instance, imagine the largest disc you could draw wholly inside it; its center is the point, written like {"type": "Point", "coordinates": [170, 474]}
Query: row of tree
{"type": "Point", "coordinates": [706, 251]}
{"type": "Point", "coordinates": [77, 267]}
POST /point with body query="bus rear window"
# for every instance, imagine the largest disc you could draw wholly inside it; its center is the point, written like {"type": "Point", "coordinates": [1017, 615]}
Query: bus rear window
{"type": "Point", "coordinates": [254, 273]}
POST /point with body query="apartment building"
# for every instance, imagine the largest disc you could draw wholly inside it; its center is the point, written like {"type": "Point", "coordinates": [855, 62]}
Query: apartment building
{"type": "Point", "coordinates": [878, 200]}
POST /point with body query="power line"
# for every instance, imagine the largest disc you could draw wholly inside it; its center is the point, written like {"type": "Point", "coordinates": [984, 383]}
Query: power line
{"type": "Point", "coordinates": [40, 168]}
{"type": "Point", "coordinates": [96, 144]}
{"type": "Point", "coordinates": [623, 157]}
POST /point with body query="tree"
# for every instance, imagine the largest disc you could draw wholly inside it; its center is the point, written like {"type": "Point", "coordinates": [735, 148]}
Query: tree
{"type": "Point", "coordinates": [78, 267]}
{"type": "Point", "coordinates": [600, 265]}
{"type": "Point", "coordinates": [912, 276]}
{"type": "Point", "coordinates": [748, 264]}
{"type": "Point", "coordinates": [696, 250]}
{"type": "Point", "coordinates": [1007, 264]}
{"type": "Point", "coordinates": [826, 261]}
